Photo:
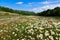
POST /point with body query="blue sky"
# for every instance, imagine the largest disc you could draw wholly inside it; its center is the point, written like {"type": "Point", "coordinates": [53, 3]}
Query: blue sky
{"type": "Point", "coordinates": [30, 5]}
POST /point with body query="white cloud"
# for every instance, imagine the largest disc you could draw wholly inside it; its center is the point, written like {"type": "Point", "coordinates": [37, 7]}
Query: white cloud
{"type": "Point", "coordinates": [19, 3]}
{"type": "Point", "coordinates": [40, 9]}
{"type": "Point", "coordinates": [29, 4]}
{"type": "Point", "coordinates": [49, 2]}
{"type": "Point", "coordinates": [40, 6]}
{"type": "Point", "coordinates": [46, 2]}
{"type": "Point", "coordinates": [40, 3]}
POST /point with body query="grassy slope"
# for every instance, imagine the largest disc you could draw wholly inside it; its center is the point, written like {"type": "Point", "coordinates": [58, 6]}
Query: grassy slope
{"type": "Point", "coordinates": [19, 27]}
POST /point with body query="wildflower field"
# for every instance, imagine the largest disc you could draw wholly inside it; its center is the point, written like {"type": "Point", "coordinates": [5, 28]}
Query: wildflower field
{"type": "Point", "coordinates": [21, 27]}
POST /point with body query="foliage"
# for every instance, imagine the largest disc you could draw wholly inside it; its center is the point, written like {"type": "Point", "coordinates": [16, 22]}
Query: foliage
{"type": "Point", "coordinates": [6, 9]}
{"type": "Point", "coordinates": [51, 12]}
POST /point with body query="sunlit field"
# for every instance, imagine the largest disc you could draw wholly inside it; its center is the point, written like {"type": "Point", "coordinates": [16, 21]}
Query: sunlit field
{"type": "Point", "coordinates": [21, 27]}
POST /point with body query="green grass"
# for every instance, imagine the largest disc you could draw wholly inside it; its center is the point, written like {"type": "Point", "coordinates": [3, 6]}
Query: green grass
{"type": "Point", "coordinates": [21, 27]}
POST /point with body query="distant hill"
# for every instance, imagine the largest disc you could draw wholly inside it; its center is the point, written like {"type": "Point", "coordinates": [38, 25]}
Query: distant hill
{"type": "Point", "coordinates": [50, 12]}
{"type": "Point", "coordinates": [6, 9]}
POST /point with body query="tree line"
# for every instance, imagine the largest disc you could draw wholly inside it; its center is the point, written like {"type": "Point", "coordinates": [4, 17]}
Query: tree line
{"type": "Point", "coordinates": [6, 9]}
{"type": "Point", "coordinates": [49, 12]}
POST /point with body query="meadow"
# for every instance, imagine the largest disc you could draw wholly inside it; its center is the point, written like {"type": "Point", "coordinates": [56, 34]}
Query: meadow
{"type": "Point", "coordinates": [22, 27]}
